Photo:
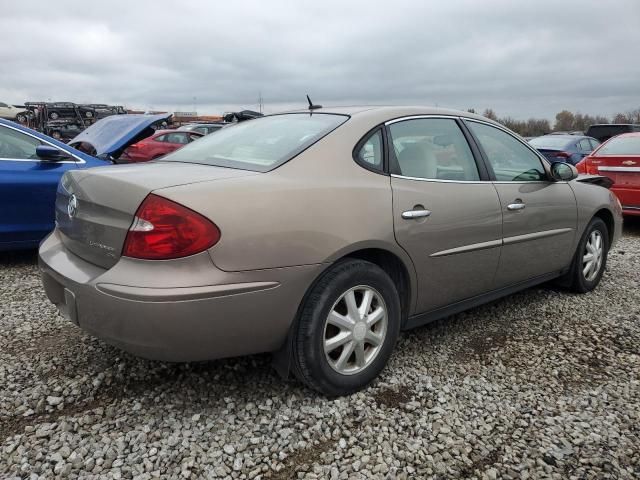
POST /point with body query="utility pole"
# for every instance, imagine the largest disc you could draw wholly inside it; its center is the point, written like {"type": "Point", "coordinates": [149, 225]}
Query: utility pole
{"type": "Point", "coordinates": [260, 103]}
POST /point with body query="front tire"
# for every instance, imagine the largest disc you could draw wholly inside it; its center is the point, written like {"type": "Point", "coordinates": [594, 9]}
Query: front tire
{"type": "Point", "coordinates": [590, 259]}
{"type": "Point", "coordinates": [347, 328]}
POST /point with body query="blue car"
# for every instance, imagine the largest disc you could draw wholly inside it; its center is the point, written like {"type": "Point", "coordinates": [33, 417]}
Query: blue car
{"type": "Point", "coordinates": [31, 165]}
{"type": "Point", "coordinates": [564, 148]}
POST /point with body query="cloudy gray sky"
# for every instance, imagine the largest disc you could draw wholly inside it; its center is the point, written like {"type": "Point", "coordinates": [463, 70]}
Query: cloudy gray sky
{"type": "Point", "coordinates": [521, 58]}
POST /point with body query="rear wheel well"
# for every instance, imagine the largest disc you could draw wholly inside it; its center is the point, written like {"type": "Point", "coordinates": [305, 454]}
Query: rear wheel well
{"type": "Point", "coordinates": [395, 268]}
{"type": "Point", "coordinates": [607, 218]}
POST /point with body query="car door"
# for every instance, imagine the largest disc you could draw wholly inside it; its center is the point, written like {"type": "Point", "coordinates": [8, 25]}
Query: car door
{"type": "Point", "coordinates": [27, 189]}
{"type": "Point", "coordinates": [539, 215]}
{"type": "Point", "coordinates": [446, 214]}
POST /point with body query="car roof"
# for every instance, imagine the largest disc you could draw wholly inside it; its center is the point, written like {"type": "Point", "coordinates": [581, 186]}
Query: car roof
{"type": "Point", "coordinates": [382, 113]}
{"type": "Point", "coordinates": [568, 137]}
{"type": "Point", "coordinates": [628, 134]}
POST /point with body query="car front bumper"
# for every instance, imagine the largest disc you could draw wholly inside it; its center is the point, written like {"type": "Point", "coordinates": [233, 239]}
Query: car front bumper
{"type": "Point", "coordinates": [176, 310]}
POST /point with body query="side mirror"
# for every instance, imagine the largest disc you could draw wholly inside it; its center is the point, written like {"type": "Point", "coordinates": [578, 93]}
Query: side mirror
{"type": "Point", "coordinates": [51, 154]}
{"type": "Point", "coordinates": [563, 172]}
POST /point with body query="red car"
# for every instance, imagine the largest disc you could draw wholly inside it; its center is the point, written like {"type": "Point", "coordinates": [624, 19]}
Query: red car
{"type": "Point", "coordinates": [157, 145]}
{"type": "Point", "coordinates": [619, 159]}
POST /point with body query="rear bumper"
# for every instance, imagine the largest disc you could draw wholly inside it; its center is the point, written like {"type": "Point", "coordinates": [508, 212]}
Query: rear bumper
{"type": "Point", "coordinates": [178, 310]}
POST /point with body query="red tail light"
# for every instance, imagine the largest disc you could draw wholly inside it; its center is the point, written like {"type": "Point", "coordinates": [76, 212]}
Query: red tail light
{"type": "Point", "coordinates": [588, 166]}
{"type": "Point", "coordinates": [563, 155]}
{"type": "Point", "coordinates": [163, 230]}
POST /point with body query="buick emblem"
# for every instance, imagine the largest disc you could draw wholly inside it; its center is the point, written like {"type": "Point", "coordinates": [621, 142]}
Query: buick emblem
{"type": "Point", "coordinates": [72, 206]}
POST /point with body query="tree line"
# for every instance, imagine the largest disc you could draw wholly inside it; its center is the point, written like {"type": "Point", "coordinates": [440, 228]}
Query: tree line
{"type": "Point", "coordinates": [566, 121]}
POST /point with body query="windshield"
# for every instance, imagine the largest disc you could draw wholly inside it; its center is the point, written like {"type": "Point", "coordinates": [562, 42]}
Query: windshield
{"type": "Point", "coordinates": [621, 146]}
{"type": "Point", "coordinates": [261, 144]}
{"type": "Point", "coordinates": [549, 142]}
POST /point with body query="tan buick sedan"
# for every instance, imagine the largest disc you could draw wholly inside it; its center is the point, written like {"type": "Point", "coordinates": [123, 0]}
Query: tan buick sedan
{"type": "Point", "coordinates": [319, 235]}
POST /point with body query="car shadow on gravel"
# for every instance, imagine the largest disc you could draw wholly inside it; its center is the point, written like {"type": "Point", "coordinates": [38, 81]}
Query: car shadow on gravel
{"type": "Point", "coordinates": [18, 258]}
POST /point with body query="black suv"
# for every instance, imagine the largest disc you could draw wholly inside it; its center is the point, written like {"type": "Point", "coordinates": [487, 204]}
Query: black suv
{"type": "Point", "coordinates": [605, 131]}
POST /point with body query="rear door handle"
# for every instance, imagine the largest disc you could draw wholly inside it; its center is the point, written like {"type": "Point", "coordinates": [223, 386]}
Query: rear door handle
{"type": "Point", "coordinates": [516, 206]}
{"type": "Point", "coordinates": [411, 214]}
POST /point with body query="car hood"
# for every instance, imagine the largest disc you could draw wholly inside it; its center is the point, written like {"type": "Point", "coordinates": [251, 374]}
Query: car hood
{"type": "Point", "coordinates": [109, 137]}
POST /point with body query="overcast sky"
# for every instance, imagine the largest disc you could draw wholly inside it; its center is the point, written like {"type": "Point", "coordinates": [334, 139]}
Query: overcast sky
{"type": "Point", "coordinates": [521, 58]}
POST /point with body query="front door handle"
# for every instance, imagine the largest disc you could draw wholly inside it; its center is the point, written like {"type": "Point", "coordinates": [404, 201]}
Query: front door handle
{"type": "Point", "coordinates": [412, 214]}
{"type": "Point", "coordinates": [516, 206]}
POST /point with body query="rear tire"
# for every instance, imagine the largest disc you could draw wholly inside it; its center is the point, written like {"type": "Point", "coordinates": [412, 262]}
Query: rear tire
{"type": "Point", "coordinates": [590, 259]}
{"type": "Point", "coordinates": [347, 328]}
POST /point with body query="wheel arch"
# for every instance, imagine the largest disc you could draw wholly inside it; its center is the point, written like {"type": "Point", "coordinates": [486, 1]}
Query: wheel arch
{"type": "Point", "coordinates": [607, 217]}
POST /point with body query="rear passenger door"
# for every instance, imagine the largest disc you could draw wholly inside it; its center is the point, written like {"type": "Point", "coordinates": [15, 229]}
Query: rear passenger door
{"type": "Point", "coordinates": [447, 216]}
{"type": "Point", "coordinates": [539, 215]}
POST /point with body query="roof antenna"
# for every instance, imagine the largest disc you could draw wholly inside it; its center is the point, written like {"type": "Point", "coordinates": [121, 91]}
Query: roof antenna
{"type": "Point", "coordinates": [311, 105]}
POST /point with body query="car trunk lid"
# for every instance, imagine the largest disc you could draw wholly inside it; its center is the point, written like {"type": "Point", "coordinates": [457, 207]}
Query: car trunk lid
{"type": "Point", "coordinates": [109, 137]}
{"type": "Point", "coordinates": [96, 207]}
{"type": "Point", "coordinates": [624, 170]}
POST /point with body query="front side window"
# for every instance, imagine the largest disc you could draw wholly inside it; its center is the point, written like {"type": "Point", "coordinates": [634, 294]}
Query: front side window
{"type": "Point", "coordinates": [510, 159]}
{"type": "Point", "coordinates": [432, 148]}
{"type": "Point", "coordinates": [261, 144]}
{"type": "Point", "coordinates": [16, 145]}
{"type": "Point", "coordinates": [370, 153]}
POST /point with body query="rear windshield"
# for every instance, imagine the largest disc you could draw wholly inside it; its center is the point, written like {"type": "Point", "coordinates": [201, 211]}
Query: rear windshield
{"type": "Point", "coordinates": [549, 142]}
{"type": "Point", "coordinates": [621, 146]}
{"type": "Point", "coordinates": [261, 144]}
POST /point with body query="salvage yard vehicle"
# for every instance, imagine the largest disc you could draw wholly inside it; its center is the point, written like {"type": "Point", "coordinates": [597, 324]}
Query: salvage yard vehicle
{"type": "Point", "coordinates": [157, 145]}
{"type": "Point", "coordinates": [319, 235]}
{"type": "Point", "coordinates": [31, 165]}
{"type": "Point", "coordinates": [564, 148]}
{"type": "Point", "coordinates": [619, 159]}
{"type": "Point", "coordinates": [11, 112]}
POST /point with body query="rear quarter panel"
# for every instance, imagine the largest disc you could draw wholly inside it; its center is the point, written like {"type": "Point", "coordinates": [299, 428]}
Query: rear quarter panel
{"type": "Point", "coordinates": [311, 210]}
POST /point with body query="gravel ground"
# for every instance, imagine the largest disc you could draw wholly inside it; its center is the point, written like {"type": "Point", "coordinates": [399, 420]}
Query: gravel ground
{"type": "Point", "coordinates": [543, 384]}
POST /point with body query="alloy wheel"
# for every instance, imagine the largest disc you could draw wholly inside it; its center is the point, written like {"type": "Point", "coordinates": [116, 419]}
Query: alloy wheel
{"type": "Point", "coordinates": [355, 330]}
{"type": "Point", "coordinates": [592, 256]}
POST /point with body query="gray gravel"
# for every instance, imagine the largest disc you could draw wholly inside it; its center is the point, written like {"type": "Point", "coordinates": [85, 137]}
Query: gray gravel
{"type": "Point", "coordinates": [543, 384]}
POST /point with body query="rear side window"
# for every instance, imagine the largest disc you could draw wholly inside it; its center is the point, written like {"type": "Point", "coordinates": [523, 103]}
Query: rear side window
{"type": "Point", "coordinates": [370, 153]}
{"type": "Point", "coordinates": [594, 143]}
{"type": "Point", "coordinates": [261, 144]}
{"type": "Point", "coordinates": [432, 148]}
{"type": "Point", "coordinates": [621, 146]}
{"type": "Point", "coordinates": [584, 145]}
{"type": "Point", "coordinates": [510, 159]}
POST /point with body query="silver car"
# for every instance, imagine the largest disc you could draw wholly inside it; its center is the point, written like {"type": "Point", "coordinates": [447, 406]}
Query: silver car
{"type": "Point", "coordinates": [319, 235]}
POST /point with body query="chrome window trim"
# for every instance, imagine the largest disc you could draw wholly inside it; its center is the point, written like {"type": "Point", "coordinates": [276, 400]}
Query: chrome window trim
{"type": "Point", "coordinates": [77, 161]}
{"type": "Point", "coordinates": [417, 117]}
{"type": "Point", "coordinates": [404, 177]}
{"type": "Point", "coordinates": [505, 182]}
{"type": "Point", "coordinates": [619, 169]}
